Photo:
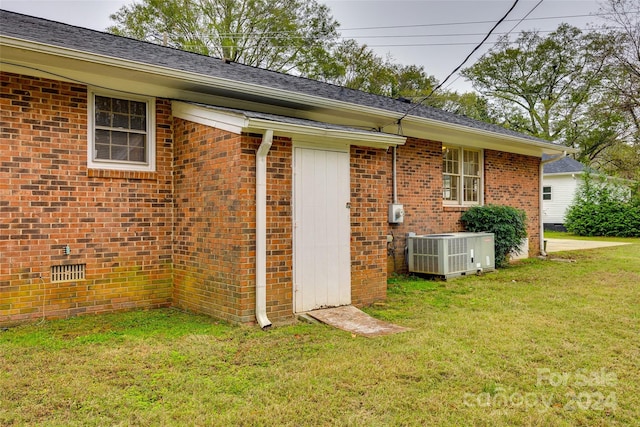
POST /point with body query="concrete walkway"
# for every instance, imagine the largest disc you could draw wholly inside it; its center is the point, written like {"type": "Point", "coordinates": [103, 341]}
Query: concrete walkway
{"type": "Point", "coordinates": [558, 245]}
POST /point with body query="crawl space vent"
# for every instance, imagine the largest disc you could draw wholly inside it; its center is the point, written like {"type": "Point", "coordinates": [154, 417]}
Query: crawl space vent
{"type": "Point", "coordinates": [67, 273]}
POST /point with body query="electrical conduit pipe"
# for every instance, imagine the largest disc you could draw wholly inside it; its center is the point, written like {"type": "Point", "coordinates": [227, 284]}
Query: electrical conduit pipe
{"type": "Point", "coordinates": [261, 229]}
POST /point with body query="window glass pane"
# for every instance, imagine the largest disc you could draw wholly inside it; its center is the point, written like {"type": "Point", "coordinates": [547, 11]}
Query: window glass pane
{"type": "Point", "coordinates": [103, 118]}
{"type": "Point", "coordinates": [136, 155]}
{"type": "Point", "coordinates": [471, 163]}
{"type": "Point", "coordinates": [546, 197]}
{"type": "Point", "coordinates": [450, 158]}
{"type": "Point", "coordinates": [103, 136]}
{"type": "Point", "coordinates": [471, 189]}
{"type": "Point", "coordinates": [136, 140]}
{"type": "Point", "coordinates": [103, 103]}
{"type": "Point", "coordinates": [119, 152]}
{"type": "Point", "coordinates": [115, 117]}
{"type": "Point", "coordinates": [462, 170]}
{"type": "Point", "coordinates": [138, 108]}
{"type": "Point", "coordinates": [450, 187]}
{"type": "Point", "coordinates": [119, 138]}
{"type": "Point", "coordinates": [121, 121]}
{"type": "Point", "coordinates": [138, 123]}
{"type": "Point", "coordinates": [103, 152]}
{"type": "Point", "coordinates": [120, 105]}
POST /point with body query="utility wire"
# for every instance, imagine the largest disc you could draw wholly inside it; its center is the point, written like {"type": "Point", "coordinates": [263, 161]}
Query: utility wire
{"type": "Point", "coordinates": [439, 24]}
{"type": "Point", "coordinates": [524, 18]}
{"type": "Point", "coordinates": [500, 21]}
{"type": "Point", "coordinates": [505, 35]}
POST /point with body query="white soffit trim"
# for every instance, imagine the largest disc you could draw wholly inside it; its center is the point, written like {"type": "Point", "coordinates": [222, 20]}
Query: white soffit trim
{"type": "Point", "coordinates": [237, 122]}
{"type": "Point", "coordinates": [234, 123]}
{"type": "Point", "coordinates": [562, 173]}
{"type": "Point", "coordinates": [480, 138]}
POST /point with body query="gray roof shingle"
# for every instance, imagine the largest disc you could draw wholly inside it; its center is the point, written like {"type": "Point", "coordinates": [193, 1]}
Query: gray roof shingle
{"type": "Point", "coordinates": [66, 36]}
{"type": "Point", "coordinates": [564, 165]}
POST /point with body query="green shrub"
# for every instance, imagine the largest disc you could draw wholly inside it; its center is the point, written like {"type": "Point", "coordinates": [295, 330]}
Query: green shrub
{"type": "Point", "coordinates": [603, 208]}
{"type": "Point", "coordinates": [506, 223]}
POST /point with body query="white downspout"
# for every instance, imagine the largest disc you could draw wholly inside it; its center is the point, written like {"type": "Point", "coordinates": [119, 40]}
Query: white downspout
{"type": "Point", "coordinates": [541, 214]}
{"type": "Point", "coordinates": [261, 229]}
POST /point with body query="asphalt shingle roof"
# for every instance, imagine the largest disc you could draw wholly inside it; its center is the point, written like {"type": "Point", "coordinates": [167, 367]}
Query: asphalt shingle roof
{"type": "Point", "coordinates": [564, 165]}
{"type": "Point", "coordinates": [81, 39]}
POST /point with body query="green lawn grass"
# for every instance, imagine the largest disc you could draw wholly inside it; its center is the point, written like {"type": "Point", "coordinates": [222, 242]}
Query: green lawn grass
{"type": "Point", "coordinates": [539, 343]}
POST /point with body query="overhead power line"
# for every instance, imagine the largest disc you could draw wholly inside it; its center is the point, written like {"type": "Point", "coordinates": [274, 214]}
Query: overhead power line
{"type": "Point", "coordinates": [437, 24]}
{"type": "Point", "coordinates": [500, 21]}
{"type": "Point", "coordinates": [440, 24]}
{"type": "Point", "coordinates": [507, 34]}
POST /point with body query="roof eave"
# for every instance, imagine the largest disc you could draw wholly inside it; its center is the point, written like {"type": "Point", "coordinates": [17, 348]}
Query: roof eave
{"type": "Point", "coordinates": [444, 131]}
{"type": "Point", "coordinates": [238, 123]}
{"type": "Point", "coordinates": [439, 128]}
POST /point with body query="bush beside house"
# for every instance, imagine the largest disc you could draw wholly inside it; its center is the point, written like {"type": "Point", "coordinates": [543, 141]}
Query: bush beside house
{"type": "Point", "coordinates": [508, 225]}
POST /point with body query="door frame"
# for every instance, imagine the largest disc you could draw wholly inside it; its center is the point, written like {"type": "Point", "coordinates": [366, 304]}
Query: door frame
{"type": "Point", "coordinates": [326, 147]}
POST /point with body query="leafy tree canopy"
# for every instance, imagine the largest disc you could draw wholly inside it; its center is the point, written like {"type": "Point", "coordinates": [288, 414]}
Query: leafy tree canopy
{"type": "Point", "coordinates": [280, 35]}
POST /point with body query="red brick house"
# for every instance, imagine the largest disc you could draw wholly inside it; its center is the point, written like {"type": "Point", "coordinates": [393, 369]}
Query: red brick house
{"type": "Point", "coordinates": [137, 176]}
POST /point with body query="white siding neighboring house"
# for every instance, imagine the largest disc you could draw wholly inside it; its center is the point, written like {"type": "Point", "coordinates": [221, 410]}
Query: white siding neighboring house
{"type": "Point", "coordinates": [560, 181]}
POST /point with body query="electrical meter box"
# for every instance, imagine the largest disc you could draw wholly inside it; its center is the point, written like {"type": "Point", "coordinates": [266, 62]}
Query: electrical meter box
{"type": "Point", "coordinates": [396, 213]}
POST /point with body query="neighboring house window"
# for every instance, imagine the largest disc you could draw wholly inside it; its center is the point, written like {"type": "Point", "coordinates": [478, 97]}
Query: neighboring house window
{"type": "Point", "coordinates": [122, 132]}
{"type": "Point", "coordinates": [462, 176]}
{"type": "Point", "coordinates": [546, 193]}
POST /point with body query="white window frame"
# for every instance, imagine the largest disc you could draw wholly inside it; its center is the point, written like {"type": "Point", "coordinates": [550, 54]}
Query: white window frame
{"type": "Point", "coordinates": [461, 176]}
{"type": "Point", "coordinates": [545, 193]}
{"type": "Point", "coordinates": [95, 163]}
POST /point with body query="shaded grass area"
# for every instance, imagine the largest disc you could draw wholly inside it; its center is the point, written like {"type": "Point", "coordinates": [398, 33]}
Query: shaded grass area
{"type": "Point", "coordinates": [539, 343]}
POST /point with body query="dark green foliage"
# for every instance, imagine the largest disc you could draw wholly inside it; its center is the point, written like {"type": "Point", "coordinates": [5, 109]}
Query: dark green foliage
{"type": "Point", "coordinates": [506, 223]}
{"type": "Point", "coordinates": [603, 208]}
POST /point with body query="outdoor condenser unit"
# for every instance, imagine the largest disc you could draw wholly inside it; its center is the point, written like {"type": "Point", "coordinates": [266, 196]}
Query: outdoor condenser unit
{"type": "Point", "coordinates": [451, 255]}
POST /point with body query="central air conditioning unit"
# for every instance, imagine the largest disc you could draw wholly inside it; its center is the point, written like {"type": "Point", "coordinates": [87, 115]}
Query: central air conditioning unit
{"type": "Point", "coordinates": [451, 255]}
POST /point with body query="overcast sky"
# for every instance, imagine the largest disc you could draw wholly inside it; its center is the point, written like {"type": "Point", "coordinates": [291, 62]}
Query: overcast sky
{"type": "Point", "coordinates": [403, 29]}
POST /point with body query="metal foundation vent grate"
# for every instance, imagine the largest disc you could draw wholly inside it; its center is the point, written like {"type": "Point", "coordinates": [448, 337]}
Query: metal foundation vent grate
{"type": "Point", "coordinates": [67, 273]}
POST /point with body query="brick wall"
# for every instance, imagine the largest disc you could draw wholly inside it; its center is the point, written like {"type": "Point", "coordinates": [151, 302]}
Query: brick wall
{"type": "Point", "coordinates": [509, 179]}
{"type": "Point", "coordinates": [117, 223]}
{"type": "Point", "coordinates": [214, 263]}
{"type": "Point", "coordinates": [185, 234]}
{"type": "Point", "coordinates": [368, 224]}
{"type": "Point", "coordinates": [513, 180]}
{"type": "Point", "coordinates": [214, 221]}
{"type": "Point", "coordinates": [279, 230]}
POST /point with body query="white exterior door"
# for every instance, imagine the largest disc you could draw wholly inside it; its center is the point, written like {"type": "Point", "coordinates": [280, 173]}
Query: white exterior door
{"type": "Point", "coordinates": [322, 252]}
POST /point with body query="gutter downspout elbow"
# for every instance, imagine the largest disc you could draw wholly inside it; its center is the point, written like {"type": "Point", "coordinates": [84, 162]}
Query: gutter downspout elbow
{"type": "Point", "coordinates": [261, 229]}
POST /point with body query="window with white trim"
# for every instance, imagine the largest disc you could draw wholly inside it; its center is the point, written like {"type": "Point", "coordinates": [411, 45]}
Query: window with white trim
{"type": "Point", "coordinates": [121, 132]}
{"type": "Point", "coordinates": [461, 176]}
{"type": "Point", "coordinates": [546, 193]}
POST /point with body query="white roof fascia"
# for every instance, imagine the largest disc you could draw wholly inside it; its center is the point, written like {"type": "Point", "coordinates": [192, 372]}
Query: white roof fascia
{"type": "Point", "coordinates": [442, 129]}
{"type": "Point", "coordinates": [562, 173]}
{"type": "Point", "coordinates": [234, 123]}
{"type": "Point", "coordinates": [268, 92]}
{"type": "Point", "coordinates": [238, 123]}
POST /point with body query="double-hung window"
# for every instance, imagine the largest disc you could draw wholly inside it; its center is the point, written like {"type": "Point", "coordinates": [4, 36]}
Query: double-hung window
{"type": "Point", "coordinates": [462, 176]}
{"type": "Point", "coordinates": [122, 135]}
{"type": "Point", "coordinates": [546, 193]}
